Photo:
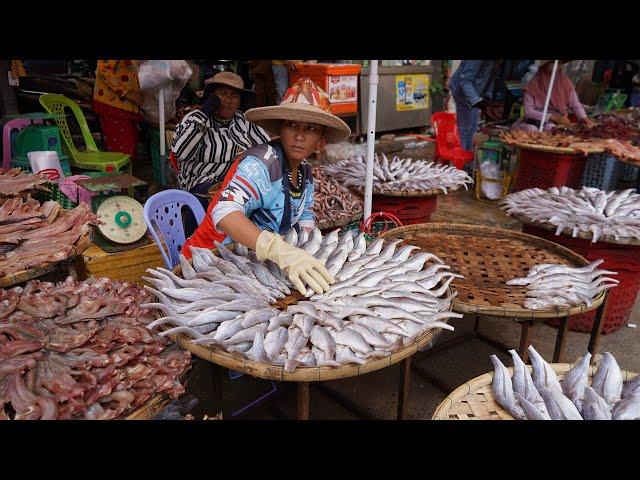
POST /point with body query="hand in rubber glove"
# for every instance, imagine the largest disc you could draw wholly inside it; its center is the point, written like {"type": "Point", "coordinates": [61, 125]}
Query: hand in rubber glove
{"type": "Point", "coordinates": [211, 105]}
{"type": "Point", "coordinates": [300, 266]}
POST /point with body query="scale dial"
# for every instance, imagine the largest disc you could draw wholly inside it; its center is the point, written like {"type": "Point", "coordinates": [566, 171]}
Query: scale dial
{"type": "Point", "coordinates": [123, 219]}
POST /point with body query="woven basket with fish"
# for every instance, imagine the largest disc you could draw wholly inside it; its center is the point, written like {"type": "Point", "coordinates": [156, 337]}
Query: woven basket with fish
{"type": "Point", "coordinates": [374, 316]}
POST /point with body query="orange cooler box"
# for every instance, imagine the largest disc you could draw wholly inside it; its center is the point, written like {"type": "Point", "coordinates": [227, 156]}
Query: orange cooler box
{"type": "Point", "coordinates": [340, 81]}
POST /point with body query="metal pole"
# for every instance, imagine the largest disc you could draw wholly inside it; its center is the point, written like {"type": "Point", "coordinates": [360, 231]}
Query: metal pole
{"type": "Point", "coordinates": [546, 102]}
{"type": "Point", "coordinates": [371, 137]}
{"type": "Point", "coordinates": [162, 135]}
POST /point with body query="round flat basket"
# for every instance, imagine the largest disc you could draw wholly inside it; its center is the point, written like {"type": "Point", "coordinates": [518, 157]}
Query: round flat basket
{"type": "Point", "coordinates": [474, 400]}
{"type": "Point", "coordinates": [568, 232]}
{"type": "Point", "coordinates": [560, 150]}
{"type": "Point", "coordinates": [487, 258]}
{"type": "Point", "coordinates": [406, 193]}
{"type": "Point", "coordinates": [235, 361]}
{"type": "Point", "coordinates": [11, 279]}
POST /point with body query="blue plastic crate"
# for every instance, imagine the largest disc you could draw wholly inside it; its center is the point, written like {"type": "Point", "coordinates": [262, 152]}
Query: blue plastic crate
{"type": "Point", "coordinates": [629, 173]}
{"type": "Point", "coordinates": [602, 171]}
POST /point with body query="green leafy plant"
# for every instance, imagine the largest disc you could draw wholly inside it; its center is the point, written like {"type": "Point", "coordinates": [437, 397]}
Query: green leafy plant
{"type": "Point", "coordinates": [436, 88]}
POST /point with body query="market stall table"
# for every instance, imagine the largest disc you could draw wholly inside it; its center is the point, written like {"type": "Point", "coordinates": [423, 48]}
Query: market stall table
{"type": "Point", "coordinates": [487, 258]}
{"type": "Point", "coordinates": [474, 400]}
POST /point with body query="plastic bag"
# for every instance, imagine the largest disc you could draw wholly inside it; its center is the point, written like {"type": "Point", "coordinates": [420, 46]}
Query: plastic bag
{"type": "Point", "coordinates": [490, 190]}
{"type": "Point", "coordinates": [172, 75]}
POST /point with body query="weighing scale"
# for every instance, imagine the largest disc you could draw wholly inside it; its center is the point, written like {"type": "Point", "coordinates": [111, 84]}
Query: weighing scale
{"type": "Point", "coordinates": [123, 226]}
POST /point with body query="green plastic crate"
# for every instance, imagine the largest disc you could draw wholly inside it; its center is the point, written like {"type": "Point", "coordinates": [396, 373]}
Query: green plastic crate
{"type": "Point", "coordinates": [23, 163]}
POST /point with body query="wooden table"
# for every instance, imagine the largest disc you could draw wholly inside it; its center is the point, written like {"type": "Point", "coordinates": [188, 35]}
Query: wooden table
{"type": "Point", "coordinates": [487, 257]}
{"type": "Point", "coordinates": [128, 265]}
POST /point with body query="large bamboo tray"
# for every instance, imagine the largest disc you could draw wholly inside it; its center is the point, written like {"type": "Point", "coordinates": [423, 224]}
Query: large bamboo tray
{"type": "Point", "coordinates": [24, 275]}
{"type": "Point", "coordinates": [559, 150]}
{"type": "Point", "coordinates": [407, 193]}
{"type": "Point", "coordinates": [488, 257]}
{"type": "Point", "coordinates": [474, 400]}
{"type": "Point", "coordinates": [235, 360]}
{"type": "Point", "coordinates": [568, 232]}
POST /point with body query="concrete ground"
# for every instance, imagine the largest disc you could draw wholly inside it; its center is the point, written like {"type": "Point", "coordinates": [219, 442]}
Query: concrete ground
{"type": "Point", "coordinates": [377, 393]}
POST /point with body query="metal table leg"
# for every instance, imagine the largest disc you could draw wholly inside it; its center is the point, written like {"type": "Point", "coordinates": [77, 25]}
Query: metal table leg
{"type": "Point", "coordinates": [403, 393]}
{"type": "Point", "coordinates": [597, 327]}
{"type": "Point", "coordinates": [303, 401]}
{"type": "Point", "coordinates": [525, 339]}
{"type": "Point", "coordinates": [561, 340]}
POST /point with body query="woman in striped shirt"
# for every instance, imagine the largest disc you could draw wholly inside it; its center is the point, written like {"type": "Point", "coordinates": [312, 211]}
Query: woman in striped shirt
{"type": "Point", "coordinates": [208, 140]}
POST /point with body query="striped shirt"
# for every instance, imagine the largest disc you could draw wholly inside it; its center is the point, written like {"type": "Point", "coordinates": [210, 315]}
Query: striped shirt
{"type": "Point", "coordinates": [205, 150]}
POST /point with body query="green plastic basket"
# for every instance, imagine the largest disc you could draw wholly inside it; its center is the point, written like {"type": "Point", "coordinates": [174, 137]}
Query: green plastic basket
{"type": "Point", "coordinates": [56, 195]}
{"type": "Point", "coordinates": [376, 228]}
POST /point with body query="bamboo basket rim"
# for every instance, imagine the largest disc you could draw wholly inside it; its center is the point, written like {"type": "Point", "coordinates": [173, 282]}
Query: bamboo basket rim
{"type": "Point", "coordinates": [235, 360]}
{"type": "Point", "coordinates": [9, 280]}
{"type": "Point", "coordinates": [465, 307]}
{"type": "Point", "coordinates": [560, 150]}
{"type": "Point", "coordinates": [567, 232]}
{"type": "Point", "coordinates": [408, 193]}
{"type": "Point", "coordinates": [341, 223]}
{"type": "Point", "coordinates": [476, 383]}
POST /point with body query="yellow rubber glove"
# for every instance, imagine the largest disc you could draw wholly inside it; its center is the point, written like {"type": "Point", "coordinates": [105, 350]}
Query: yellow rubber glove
{"type": "Point", "coordinates": [299, 265]}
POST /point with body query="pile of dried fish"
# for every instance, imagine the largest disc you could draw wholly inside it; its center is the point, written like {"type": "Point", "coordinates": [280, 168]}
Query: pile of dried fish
{"type": "Point", "coordinates": [543, 397]}
{"type": "Point", "coordinates": [32, 234]}
{"type": "Point", "coordinates": [331, 201]}
{"type": "Point", "coordinates": [383, 298]}
{"type": "Point", "coordinates": [81, 350]}
{"type": "Point", "coordinates": [399, 174]}
{"type": "Point", "coordinates": [551, 286]}
{"type": "Point", "coordinates": [14, 183]}
{"type": "Point", "coordinates": [588, 210]}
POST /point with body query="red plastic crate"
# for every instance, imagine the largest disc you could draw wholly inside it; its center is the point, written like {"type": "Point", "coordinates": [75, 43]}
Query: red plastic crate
{"type": "Point", "coordinates": [335, 79]}
{"type": "Point", "coordinates": [409, 210]}
{"type": "Point", "coordinates": [624, 259]}
{"type": "Point", "coordinates": [545, 170]}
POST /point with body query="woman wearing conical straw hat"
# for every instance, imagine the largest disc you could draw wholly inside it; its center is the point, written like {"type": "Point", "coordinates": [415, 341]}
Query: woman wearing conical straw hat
{"type": "Point", "coordinates": [269, 188]}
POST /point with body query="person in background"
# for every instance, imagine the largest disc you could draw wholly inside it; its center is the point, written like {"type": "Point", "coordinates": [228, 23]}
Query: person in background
{"type": "Point", "coordinates": [207, 140]}
{"type": "Point", "coordinates": [281, 75]}
{"type": "Point", "coordinates": [117, 100]}
{"type": "Point", "coordinates": [269, 189]}
{"type": "Point", "coordinates": [263, 83]}
{"type": "Point", "coordinates": [563, 98]}
{"type": "Point", "coordinates": [469, 87]}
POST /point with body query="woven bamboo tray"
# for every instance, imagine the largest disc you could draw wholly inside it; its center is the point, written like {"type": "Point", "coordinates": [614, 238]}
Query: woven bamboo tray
{"type": "Point", "coordinates": [11, 279]}
{"type": "Point", "coordinates": [406, 193]}
{"type": "Point", "coordinates": [235, 360]}
{"type": "Point", "coordinates": [340, 223]}
{"type": "Point", "coordinates": [488, 257]}
{"type": "Point", "coordinates": [559, 150]}
{"type": "Point", "coordinates": [474, 400]}
{"type": "Point", "coordinates": [567, 232]}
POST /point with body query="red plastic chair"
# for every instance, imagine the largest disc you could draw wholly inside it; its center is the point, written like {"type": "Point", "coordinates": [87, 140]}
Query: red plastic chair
{"type": "Point", "coordinates": [448, 146]}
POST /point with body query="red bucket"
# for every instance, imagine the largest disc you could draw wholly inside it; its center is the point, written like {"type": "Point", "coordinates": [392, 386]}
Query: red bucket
{"type": "Point", "coordinates": [624, 259]}
{"type": "Point", "coordinates": [410, 210]}
{"type": "Point", "coordinates": [545, 170]}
